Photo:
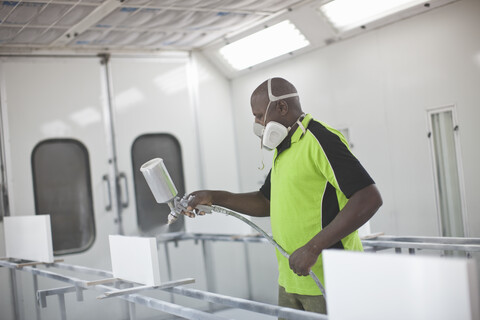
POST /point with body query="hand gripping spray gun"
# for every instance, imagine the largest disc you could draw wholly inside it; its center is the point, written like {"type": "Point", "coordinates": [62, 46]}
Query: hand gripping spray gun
{"type": "Point", "coordinates": [164, 191]}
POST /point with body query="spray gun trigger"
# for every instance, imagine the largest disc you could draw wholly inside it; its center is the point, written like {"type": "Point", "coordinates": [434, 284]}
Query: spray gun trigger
{"type": "Point", "coordinates": [199, 208]}
{"type": "Point", "coordinates": [204, 208]}
{"type": "Point", "coordinates": [181, 204]}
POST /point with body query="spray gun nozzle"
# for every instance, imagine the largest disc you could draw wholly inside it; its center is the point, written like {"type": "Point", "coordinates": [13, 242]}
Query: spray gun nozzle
{"type": "Point", "coordinates": [172, 217]}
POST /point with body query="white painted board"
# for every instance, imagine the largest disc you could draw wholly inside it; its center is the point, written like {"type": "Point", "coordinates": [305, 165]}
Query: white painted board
{"type": "Point", "coordinates": [135, 259]}
{"type": "Point", "coordinates": [29, 238]}
{"type": "Point", "coordinates": [392, 286]}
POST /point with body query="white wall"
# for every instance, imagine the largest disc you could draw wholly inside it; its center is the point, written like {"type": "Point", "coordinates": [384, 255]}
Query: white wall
{"type": "Point", "coordinates": [217, 145]}
{"type": "Point", "coordinates": [380, 85]}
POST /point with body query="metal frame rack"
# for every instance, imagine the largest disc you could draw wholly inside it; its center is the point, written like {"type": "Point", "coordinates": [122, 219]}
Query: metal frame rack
{"type": "Point", "coordinates": [77, 285]}
{"type": "Point", "coordinates": [467, 245]}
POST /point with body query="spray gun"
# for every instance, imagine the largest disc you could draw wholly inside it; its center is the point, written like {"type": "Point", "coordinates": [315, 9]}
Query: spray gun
{"type": "Point", "coordinates": [164, 191]}
{"type": "Point", "coordinates": [163, 188]}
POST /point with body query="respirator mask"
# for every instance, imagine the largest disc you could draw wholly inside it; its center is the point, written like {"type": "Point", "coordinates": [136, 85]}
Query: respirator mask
{"type": "Point", "coordinates": [273, 133]}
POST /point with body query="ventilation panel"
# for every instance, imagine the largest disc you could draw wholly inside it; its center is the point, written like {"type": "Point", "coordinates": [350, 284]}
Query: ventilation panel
{"type": "Point", "coordinates": [130, 24]}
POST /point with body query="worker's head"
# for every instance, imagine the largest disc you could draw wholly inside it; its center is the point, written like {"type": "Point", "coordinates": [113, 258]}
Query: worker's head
{"type": "Point", "coordinates": [276, 108]}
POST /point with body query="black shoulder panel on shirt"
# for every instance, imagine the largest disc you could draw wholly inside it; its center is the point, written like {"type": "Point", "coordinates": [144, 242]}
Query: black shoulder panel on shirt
{"type": "Point", "coordinates": [265, 189]}
{"type": "Point", "coordinates": [350, 174]}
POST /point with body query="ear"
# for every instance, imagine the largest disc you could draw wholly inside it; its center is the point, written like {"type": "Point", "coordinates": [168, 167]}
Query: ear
{"type": "Point", "coordinates": [282, 107]}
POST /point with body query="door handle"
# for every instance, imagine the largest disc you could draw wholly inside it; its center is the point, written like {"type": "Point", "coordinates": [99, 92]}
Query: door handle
{"type": "Point", "coordinates": [123, 177]}
{"type": "Point", "coordinates": [108, 207]}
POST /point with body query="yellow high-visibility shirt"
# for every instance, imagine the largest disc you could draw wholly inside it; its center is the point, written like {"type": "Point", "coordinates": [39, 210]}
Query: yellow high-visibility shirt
{"type": "Point", "coordinates": [312, 176]}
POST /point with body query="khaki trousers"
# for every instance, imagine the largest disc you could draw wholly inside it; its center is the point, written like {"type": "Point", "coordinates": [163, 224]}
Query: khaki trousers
{"type": "Point", "coordinates": [301, 302]}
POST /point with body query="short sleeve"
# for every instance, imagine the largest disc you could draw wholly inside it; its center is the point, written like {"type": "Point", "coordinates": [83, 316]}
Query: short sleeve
{"type": "Point", "coordinates": [265, 189]}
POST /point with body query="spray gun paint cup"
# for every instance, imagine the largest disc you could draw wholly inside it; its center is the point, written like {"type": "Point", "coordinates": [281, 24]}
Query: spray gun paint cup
{"type": "Point", "coordinates": [163, 188]}
{"type": "Point", "coordinates": [159, 181]}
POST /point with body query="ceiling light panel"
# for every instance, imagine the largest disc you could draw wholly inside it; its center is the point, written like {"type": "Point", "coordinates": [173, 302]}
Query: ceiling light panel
{"type": "Point", "coordinates": [264, 45]}
{"type": "Point", "coordinates": [345, 15]}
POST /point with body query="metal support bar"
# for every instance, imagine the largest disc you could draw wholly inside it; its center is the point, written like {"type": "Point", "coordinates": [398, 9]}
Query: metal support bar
{"type": "Point", "coordinates": [43, 294]}
{"type": "Point", "coordinates": [245, 304]}
{"type": "Point", "coordinates": [248, 271]}
{"type": "Point", "coordinates": [177, 310]}
{"type": "Point", "coordinates": [101, 281]}
{"type": "Point", "coordinates": [19, 295]}
{"type": "Point", "coordinates": [169, 267]}
{"type": "Point", "coordinates": [35, 288]}
{"type": "Point", "coordinates": [171, 308]}
{"type": "Point", "coordinates": [122, 292]}
{"type": "Point", "coordinates": [178, 236]}
{"type": "Point", "coordinates": [82, 269]}
{"type": "Point", "coordinates": [79, 293]}
{"type": "Point", "coordinates": [425, 239]}
{"type": "Point", "coordinates": [132, 311]}
{"type": "Point", "coordinates": [63, 309]}
{"type": "Point", "coordinates": [209, 269]}
{"type": "Point", "coordinates": [422, 245]}
{"type": "Point", "coordinates": [13, 283]}
{"type": "Point", "coordinates": [41, 300]}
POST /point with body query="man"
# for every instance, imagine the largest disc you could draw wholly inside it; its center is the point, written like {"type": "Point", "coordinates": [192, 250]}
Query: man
{"type": "Point", "coordinates": [317, 193]}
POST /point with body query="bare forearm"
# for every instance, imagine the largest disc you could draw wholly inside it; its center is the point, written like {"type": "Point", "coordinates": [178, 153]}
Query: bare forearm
{"type": "Point", "coordinates": [252, 203]}
{"type": "Point", "coordinates": [361, 207]}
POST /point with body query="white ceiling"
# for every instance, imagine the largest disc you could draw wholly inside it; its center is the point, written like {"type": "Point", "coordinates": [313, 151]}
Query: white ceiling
{"type": "Point", "coordinates": [146, 26]}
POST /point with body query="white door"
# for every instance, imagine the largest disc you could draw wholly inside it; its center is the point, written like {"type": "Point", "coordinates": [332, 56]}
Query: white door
{"type": "Point", "coordinates": [153, 118]}
{"type": "Point", "coordinates": [64, 100]}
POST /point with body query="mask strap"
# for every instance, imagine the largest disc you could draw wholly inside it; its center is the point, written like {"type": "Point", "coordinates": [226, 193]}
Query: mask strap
{"type": "Point", "coordinates": [300, 124]}
{"type": "Point", "coordinates": [265, 115]}
{"type": "Point", "coordinates": [274, 98]}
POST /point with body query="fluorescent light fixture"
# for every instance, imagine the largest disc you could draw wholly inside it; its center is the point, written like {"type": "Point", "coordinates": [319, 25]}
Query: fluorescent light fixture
{"type": "Point", "coordinates": [348, 14]}
{"type": "Point", "coordinates": [264, 45]}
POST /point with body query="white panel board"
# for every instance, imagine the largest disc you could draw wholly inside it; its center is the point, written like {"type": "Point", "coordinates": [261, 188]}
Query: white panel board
{"type": "Point", "coordinates": [29, 238]}
{"type": "Point", "coordinates": [388, 286]}
{"type": "Point", "coordinates": [135, 259]}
